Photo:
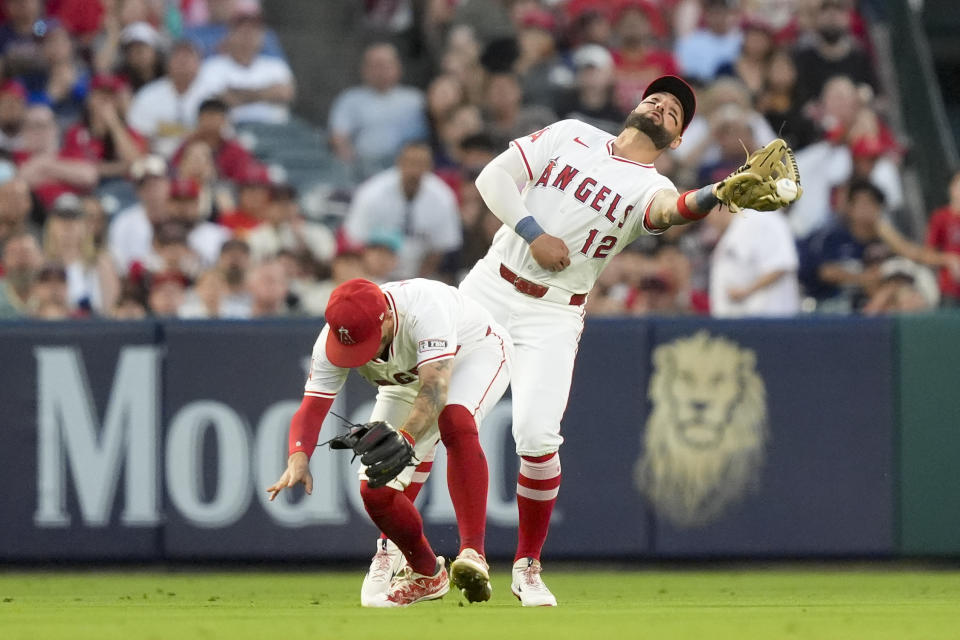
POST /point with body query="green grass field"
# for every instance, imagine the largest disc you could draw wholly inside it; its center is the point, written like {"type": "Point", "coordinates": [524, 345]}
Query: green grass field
{"type": "Point", "coordinates": [715, 604]}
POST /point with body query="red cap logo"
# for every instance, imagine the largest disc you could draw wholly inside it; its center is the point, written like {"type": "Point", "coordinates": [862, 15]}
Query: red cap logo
{"type": "Point", "coordinates": [355, 316]}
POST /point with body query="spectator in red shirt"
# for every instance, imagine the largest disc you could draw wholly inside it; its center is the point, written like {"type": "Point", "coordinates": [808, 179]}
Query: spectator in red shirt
{"type": "Point", "coordinates": [48, 170]}
{"type": "Point", "coordinates": [83, 18]}
{"type": "Point", "coordinates": [943, 234]}
{"type": "Point", "coordinates": [253, 196]}
{"type": "Point", "coordinates": [639, 59]}
{"type": "Point", "coordinates": [102, 136]}
{"type": "Point", "coordinates": [233, 162]}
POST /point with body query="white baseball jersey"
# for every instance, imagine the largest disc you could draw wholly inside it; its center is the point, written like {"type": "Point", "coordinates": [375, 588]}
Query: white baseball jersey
{"type": "Point", "coordinates": [581, 192]}
{"type": "Point", "coordinates": [432, 322]}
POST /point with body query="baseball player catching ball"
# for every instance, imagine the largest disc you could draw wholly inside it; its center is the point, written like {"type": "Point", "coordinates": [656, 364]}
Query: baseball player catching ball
{"type": "Point", "coordinates": [441, 363]}
{"type": "Point", "coordinates": [570, 197]}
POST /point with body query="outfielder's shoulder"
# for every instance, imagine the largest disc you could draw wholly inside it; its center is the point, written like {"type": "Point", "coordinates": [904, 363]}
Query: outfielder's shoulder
{"type": "Point", "coordinates": [576, 127]}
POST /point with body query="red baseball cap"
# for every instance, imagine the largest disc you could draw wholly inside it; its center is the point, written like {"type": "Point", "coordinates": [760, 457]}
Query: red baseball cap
{"type": "Point", "coordinates": [354, 314]}
{"type": "Point", "coordinates": [184, 189]}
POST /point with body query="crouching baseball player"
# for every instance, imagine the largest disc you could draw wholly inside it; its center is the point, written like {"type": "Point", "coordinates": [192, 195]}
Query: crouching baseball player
{"type": "Point", "coordinates": [441, 363]}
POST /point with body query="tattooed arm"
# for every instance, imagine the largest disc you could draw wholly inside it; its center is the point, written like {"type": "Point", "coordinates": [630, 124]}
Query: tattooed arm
{"type": "Point", "coordinates": [434, 380]}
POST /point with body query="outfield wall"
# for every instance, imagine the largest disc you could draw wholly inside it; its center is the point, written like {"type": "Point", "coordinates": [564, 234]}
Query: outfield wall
{"type": "Point", "coordinates": [684, 438]}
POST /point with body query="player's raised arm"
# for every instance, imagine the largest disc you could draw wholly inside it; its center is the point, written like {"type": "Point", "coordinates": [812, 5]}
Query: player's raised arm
{"type": "Point", "coordinates": [498, 186]}
{"type": "Point", "coordinates": [768, 180]}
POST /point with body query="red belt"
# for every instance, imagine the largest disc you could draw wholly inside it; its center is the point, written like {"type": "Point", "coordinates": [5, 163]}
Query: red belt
{"type": "Point", "coordinates": [533, 289]}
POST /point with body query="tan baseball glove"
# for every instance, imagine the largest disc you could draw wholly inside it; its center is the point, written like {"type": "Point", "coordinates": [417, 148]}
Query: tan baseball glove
{"type": "Point", "coordinates": [767, 181]}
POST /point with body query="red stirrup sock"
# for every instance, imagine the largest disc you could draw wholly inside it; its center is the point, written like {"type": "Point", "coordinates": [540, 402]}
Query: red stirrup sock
{"type": "Point", "coordinates": [413, 489]}
{"type": "Point", "coordinates": [399, 520]}
{"type": "Point", "coordinates": [537, 487]}
{"type": "Point", "coordinates": [467, 475]}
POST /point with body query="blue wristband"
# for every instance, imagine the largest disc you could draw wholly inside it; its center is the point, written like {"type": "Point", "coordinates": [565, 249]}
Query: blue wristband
{"type": "Point", "coordinates": [705, 199]}
{"type": "Point", "coordinates": [529, 229]}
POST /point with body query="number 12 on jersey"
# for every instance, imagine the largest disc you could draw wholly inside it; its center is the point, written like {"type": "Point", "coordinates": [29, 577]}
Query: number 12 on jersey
{"type": "Point", "coordinates": [603, 247]}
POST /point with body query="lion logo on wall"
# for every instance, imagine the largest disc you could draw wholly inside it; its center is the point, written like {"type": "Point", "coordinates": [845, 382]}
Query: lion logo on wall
{"type": "Point", "coordinates": [705, 437]}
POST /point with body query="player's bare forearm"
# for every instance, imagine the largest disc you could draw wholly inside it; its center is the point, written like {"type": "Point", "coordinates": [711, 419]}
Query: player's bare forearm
{"type": "Point", "coordinates": [432, 398]}
{"type": "Point", "coordinates": [669, 208]}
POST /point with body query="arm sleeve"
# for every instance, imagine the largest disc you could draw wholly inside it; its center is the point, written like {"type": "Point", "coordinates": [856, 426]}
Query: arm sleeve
{"type": "Point", "coordinates": [306, 423]}
{"type": "Point", "coordinates": [498, 186]}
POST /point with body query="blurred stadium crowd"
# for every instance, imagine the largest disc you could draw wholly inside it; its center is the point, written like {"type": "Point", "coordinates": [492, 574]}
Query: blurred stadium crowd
{"type": "Point", "coordinates": [150, 165]}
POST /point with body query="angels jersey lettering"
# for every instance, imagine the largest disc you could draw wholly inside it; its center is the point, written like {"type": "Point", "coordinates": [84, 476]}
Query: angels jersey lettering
{"type": "Point", "coordinates": [432, 321]}
{"type": "Point", "coordinates": [581, 192]}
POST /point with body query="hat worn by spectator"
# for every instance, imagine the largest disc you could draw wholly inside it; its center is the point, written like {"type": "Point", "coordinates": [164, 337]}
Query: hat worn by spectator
{"type": "Point", "coordinates": [254, 177]}
{"type": "Point", "coordinates": [13, 88]}
{"type": "Point", "coordinates": [141, 32]}
{"type": "Point", "coordinates": [354, 315]}
{"type": "Point", "coordinates": [107, 82]}
{"type": "Point", "coordinates": [653, 14]}
{"type": "Point", "coordinates": [538, 19]}
{"type": "Point", "coordinates": [389, 240]}
{"type": "Point", "coordinates": [184, 189]}
{"type": "Point", "coordinates": [151, 166]}
{"type": "Point", "coordinates": [678, 89]}
{"type": "Point", "coordinates": [67, 206]}
{"type": "Point", "coordinates": [906, 270]}
{"type": "Point", "coordinates": [592, 55]}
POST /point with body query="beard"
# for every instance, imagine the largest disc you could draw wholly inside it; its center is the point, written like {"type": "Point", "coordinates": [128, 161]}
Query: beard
{"type": "Point", "coordinates": [234, 274]}
{"type": "Point", "coordinates": [656, 132]}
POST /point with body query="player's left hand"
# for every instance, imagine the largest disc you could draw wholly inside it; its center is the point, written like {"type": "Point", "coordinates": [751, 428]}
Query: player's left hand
{"type": "Point", "coordinates": [384, 451]}
{"type": "Point", "coordinates": [550, 252]}
{"type": "Point", "coordinates": [767, 181]}
{"type": "Point", "coordinates": [298, 470]}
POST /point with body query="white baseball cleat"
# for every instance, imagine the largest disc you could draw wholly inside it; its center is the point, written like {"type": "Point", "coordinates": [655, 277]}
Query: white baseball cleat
{"type": "Point", "coordinates": [528, 585]}
{"type": "Point", "coordinates": [409, 587]}
{"type": "Point", "coordinates": [385, 565]}
{"type": "Point", "coordinates": [471, 574]}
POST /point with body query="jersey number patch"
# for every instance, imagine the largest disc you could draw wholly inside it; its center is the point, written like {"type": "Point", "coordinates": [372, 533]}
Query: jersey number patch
{"type": "Point", "coordinates": [603, 248]}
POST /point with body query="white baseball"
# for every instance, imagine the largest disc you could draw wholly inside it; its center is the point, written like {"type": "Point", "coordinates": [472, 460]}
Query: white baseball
{"type": "Point", "coordinates": [787, 189]}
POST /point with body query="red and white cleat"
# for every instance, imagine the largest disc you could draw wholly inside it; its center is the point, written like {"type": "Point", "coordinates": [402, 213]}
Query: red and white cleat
{"type": "Point", "coordinates": [383, 567]}
{"type": "Point", "coordinates": [528, 585]}
{"type": "Point", "coordinates": [409, 587]}
{"type": "Point", "coordinates": [471, 574]}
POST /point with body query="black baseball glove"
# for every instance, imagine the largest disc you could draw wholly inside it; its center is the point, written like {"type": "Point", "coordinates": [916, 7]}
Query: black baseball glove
{"type": "Point", "coordinates": [382, 449]}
